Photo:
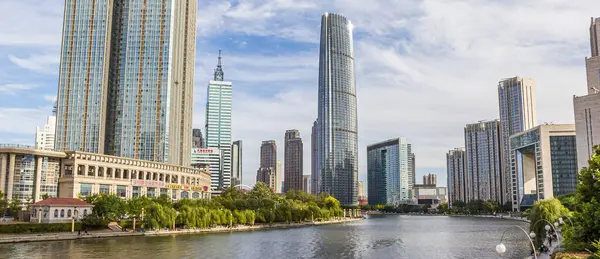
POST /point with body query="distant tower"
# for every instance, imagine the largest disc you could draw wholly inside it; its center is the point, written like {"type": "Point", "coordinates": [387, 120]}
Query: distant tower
{"type": "Point", "coordinates": [293, 161]}
{"type": "Point", "coordinates": [218, 125]}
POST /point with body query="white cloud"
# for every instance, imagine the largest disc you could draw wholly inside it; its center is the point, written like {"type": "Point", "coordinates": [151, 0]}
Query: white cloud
{"type": "Point", "coordinates": [31, 22]}
{"type": "Point", "coordinates": [44, 63]}
{"type": "Point", "coordinates": [12, 89]}
{"type": "Point", "coordinates": [50, 98]}
{"type": "Point", "coordinates": [21, 121]}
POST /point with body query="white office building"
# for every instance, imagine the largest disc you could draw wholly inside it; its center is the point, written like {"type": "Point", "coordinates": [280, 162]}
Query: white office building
{"type": "Point", "coordinates": [211, 156]}
{"type": "Point", "coordinates": [44, 137]}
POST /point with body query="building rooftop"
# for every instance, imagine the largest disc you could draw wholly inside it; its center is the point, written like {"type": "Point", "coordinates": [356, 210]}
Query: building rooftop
{"type": "Point", "coordinates": [63, 201]}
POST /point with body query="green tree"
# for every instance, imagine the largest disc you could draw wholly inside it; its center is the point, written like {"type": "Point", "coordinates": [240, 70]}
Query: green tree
{"type": "Point", "coordinates": [459, 206]}
{"type": "Point", "coordinates": [491, 206]}
{"type": "Point", "coordinates": [109, 207]}
{"type": "Point", "coordinates": [15, 206]}
{"type": "Point", "coordinates": [261, 191]}
{"type": "Point", "coordinates": [568, 200]}
{"type": "Point", "coordinates": [545, 211]}
{"type": "Point", "coordinates": [232, 193]}
{"type": "Point", "coordinates": [587, 202]}
{"type": "Point", "coordinates": [443, 208]}
{"type": "Point", "coordinates": [45, 196]}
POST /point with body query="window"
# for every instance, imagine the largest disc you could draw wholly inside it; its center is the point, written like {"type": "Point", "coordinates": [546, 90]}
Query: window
{"type": "Point", "coordinates": [62, 213]}
{"type": "Point", "coordinates": [69, 213]}
{"type": "Point", "coordinates": [85, 189]}
{"type": "Point", "coordinates": [56, 213]}
{"type": "Point", "coordinates": [84, 212]}
{"type": "Point", "coordinates": [122, 191]}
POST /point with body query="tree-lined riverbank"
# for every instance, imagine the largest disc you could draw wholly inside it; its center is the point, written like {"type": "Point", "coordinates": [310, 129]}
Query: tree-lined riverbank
{"type": "Point", "coordinates": [22, 238]}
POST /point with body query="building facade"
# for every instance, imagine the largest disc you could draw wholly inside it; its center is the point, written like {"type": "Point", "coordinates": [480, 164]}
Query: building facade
{"type": "Point", "coordinates": [587, 108]}
{"type": "Point", "coordinates": [31, 173]}
{"type": "Point", "coordinates": [411, 168]}
{"type": "Point", "coordinates": [518, 113]}
{"type": "Point", "coordinates": [267, 175]}
{"type": "Point", "coordinates": [314, 159]}
{"type": "Point", "coordinates": [236, 163]}
{"type": "Point", "coordinates": [126, 79]}
{"type": "Point", "coordinates": [293, 161]}
{"type": "Point", "coordinates": [457, 172]}
{"type": "Point", "coordinates": [484, 161]}
{"type": "Point", "coordinates": [337, 113]}
{"type": "Point", "coordinates": [44, 137]}
{"type": "Point", "coordinates": [214, 158]}
{"type": "Point", "coordinates": [306, 183]}
{"type": "Point", "coordinates": [197, 139]}
{"type": "Point", "coordinates": [387, 172]}
{"type": "Point", "coordinates": [430, 179]}
{"type": "Point", "coordinates": [429, 194]}
{"type": "Point", "coordinates": [218, 123]}
{"type": "Point", "coordinates": [279, 177]}
{"type": "Point", "coordinates": [543, 164]}
{"type": "Point", "coordinates": [59, 210]}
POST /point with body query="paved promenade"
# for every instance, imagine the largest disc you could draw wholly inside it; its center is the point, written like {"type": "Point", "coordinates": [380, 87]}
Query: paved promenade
{"type": "Point", "coordinates": [18, 238]}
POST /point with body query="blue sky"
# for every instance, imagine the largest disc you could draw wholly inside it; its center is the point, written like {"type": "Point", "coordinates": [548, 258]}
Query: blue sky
{"type": "Point", "coordinates": [424, 69]}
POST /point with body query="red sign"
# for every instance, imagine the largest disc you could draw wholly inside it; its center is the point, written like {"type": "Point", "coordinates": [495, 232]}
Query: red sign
{"type": "Point", "coordinates": [203, 150]}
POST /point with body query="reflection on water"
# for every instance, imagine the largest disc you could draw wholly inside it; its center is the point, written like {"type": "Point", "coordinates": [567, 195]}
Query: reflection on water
{"type": "Point", "coordinates": [388, 236]}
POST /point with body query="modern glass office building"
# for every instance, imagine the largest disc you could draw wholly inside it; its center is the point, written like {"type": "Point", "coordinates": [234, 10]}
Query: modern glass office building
{"type": "Point", "coordinates": [337, 113]}
{"type": "Point", "coordinates": [483, 160]}
{"type": "Point", "coordinates": [543, 164]}
{"type": "Point", "coordinates": [213, 157]}
{"type": "Point", "coordinates": [126, 79]}
{"type": "Point", "coordinates": [518, 113]}
{"type": "Point", "coordinates": [388, 172]}
{"type": "Point", "coordinates": [218, 123]}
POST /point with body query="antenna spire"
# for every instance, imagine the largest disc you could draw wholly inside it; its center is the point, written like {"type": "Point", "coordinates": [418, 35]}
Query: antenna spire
{"type": "Point", "coordinates": [219, 70]}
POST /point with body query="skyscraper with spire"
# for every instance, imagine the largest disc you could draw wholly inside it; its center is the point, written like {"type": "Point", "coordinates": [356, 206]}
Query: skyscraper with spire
{"type": "Point", "coordinates": [218, 125]}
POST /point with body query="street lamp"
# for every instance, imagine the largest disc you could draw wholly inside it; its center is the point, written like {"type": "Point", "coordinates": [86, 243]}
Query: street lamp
{"type": "Point", "coordinates": [75, 214]}
{"type": "Point", "coordinates": [532, 235]}
{"type": "Point", "coordinates": [501, 248]}
{"type": "Point", "coordinates": [555, 224]}
{"type": "Point", "coordinates": [547, 227]}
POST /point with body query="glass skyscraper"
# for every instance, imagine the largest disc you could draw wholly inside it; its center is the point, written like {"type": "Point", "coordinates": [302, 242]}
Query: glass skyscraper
{"type": "Point", "coordinates": [388, 172]}
{"type": "Point", "coordinates": [126, 79]}
{"type": "Point", "coordinates": [516, 97]}
{"type": "Point", "coordinates": [337, 114]}
{"type": "Point", "coordinates": [456, 169]}
{"type": "Point", "coordinates": [236, 163]}
{"type": "Point", "coordinates": [218, 124]}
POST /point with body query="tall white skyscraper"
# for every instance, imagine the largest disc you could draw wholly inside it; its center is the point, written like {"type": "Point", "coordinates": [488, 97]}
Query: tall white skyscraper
{"type": "Point", "coordinates": [587, 107]}
{"type": "Point", "coordinates": [44, 137]}
{"type": "Point", "coordinates": [517, 102]}
{"type": "Point", "coordinates": [218, 125]}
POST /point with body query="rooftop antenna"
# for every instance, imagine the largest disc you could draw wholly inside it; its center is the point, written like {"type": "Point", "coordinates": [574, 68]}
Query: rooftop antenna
{"type": "Point", "coordinates": [219, 70]}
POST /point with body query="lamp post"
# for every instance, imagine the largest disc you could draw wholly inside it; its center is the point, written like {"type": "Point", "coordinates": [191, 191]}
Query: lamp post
{"type": "Point", "coordinates": [75, 215]}
{"type": "Point", "coordinates": [175, 219]}
{"type": "Point", "coordinates": [548, 226]}
{"type": "Point", "coordinates": [501, 248]}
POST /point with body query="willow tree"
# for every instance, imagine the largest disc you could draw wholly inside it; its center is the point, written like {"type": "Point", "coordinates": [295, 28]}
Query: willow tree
{"type": "Point", "coordinates": [543, 213]}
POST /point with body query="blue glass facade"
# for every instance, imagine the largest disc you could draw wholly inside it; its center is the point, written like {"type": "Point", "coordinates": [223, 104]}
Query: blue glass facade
{"type": "Point", "coordinates": [516, 98]}
{"type": "Point", "coordinates": [388, 172]}
{"type": "Point", "coordinates": [337, 114]}
{"type": "Point", "coordinates": [218, 128]}
{"type": "Point", "coordinates": [126, 79]}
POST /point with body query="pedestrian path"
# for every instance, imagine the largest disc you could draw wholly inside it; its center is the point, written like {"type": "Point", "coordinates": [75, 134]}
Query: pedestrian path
{"type": "Point", "coordinates": [550, 250]}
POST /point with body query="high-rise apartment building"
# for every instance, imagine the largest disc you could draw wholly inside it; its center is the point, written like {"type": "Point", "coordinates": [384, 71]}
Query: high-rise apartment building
{"type": "Point", "coordinates": [337, 118]}
{"type": "Point", "coordinates": [457, 173]}
{"type": "Point", "coordinates": [314, 159]}
{"type": "Point", "coordinates": [517, 114]}
{"type": "Point", "coordinates": [545, 164]}
{"type": "Point", "coordinates": [44, 137]}
{"type": "Point", "coordinates": [484, 161]}
{"type": "Point", "coordinates": [361, 189]}
{"type": "Point", "coordinates": [587, 107]}
{"type": "Point", "coordinates": [218, 123]}
{"type": "Point", "coordinates": [293, 160]}
{"type": "Point", "coordinates": [197, 139]}
{"type": "Point", "coordinates": [411, 168]}
{"type": "Point", "coordinates": [430, 179]}
{"type": "Point", "coordinates": [236, 163]}
{"type": "Point", "coordinates": [267, 172]}
{"type": "Point", "coordinates": [387, 172]}
{"type": "Point", "coordinates": [126, 79]}
{"type": "Point", "coordinates": [306, 183]}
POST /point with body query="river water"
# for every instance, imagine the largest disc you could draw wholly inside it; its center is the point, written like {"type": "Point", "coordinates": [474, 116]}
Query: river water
{"type": "Point", "coordinates": [380, 236]}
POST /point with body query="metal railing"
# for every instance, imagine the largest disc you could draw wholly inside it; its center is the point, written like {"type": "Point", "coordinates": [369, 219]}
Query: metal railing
{"type": "Point", "coordinates": [16, 146]}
